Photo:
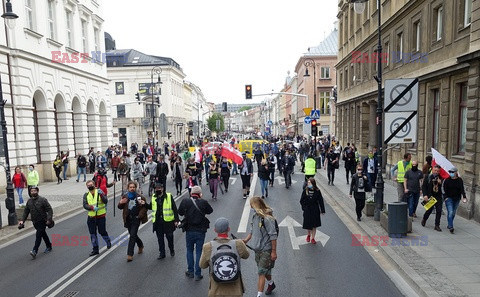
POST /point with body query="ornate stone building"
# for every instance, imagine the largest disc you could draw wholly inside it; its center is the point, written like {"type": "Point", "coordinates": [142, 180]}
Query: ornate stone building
{"type": "Point", "coordinates": [437, 42]}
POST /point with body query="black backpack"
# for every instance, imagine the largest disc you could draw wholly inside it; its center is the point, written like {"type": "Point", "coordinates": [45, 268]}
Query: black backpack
{"type": "Point", "coordinates": [224, 262]}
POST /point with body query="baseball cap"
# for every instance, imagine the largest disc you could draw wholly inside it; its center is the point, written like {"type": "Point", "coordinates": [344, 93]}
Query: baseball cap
{"type": "Point", "coordinates": [221, 225]}
{"type": "Point", "coordinates": [453, 169]}
{"type": "Point", "coordinates": [196, 190]}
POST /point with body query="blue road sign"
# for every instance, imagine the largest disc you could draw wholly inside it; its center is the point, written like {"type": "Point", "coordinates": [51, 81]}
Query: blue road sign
{"type": "Point", "coordinates": [315, 114]}
{"type": "Point", "coordinates": [308, 120]}
{"type": "Point", "coordinates": [270, 123]}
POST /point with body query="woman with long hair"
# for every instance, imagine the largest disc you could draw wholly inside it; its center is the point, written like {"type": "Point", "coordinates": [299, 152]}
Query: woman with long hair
{"type": "Point", "coordinates": [57, 165]}
{"type": "Point", "coordinates": [264, 176]}
{"type": "Point", "coordinates": [312, 206]}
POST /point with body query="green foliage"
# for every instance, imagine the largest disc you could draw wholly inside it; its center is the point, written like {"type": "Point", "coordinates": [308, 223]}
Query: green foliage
{"type": "Point", "coordinates": [244, 108]}
{"type": "Point", "coordinates": [212, 122]}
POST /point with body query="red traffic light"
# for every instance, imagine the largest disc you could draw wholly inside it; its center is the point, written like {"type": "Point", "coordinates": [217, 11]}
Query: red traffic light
{"type": "Point", "coordinates": [314, 122]}
{"type": "Point", "coordinates": [248, 91]}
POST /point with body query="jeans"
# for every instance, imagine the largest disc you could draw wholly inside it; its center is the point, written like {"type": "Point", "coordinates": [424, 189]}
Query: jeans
{"type": "Point", "coordinates": [82, 170]}
{"type": "Point", "coordinates": [412, 203]}
{"type": "Point", "coordinates": [65, 168]}
{"type": "Point", "coordinates": [41, 234]}
{"type": "Point", "coordinates": [288, 177]}
{"type": "Point", "coordinates": [194, 239]}
{"type": "Point", "coordinates": [452, 206]}
{"type": "Point", "coordinates": [372, 177]}
{"type": "Point", "coordinates": [20, 197]}
{"type": "Point", "coordinates": [93, 224]}
{"type": "Point", "coordinates": [133, 225]}
{"type": "Point", "coordinates": [235, 169]}
{"type": "Point", "coordinates": [264, 185]}
{"type": "Point", "coordinates": [272, 175]}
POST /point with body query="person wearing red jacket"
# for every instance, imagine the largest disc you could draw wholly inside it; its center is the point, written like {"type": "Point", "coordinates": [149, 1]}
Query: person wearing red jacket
{"type": "Point", "coordinates": [19, 183]}
{"type": "Point", "coordinates": [101, 181]}
{"type": "Point", "coordinates": [115, 163]}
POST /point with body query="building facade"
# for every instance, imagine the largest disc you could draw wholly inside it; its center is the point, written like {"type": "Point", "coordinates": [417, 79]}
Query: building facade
{"type": "Point", "coordinates": [437, 42]}
{"type": "Point", "coordinates": [55, 82]}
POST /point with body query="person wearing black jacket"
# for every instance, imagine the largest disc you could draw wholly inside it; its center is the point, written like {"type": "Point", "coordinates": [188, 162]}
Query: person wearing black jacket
{"type": "Point", "coordinates": [454, 190]}
{"type": "Point", "coordinates": [194, 209]}
{"type": "Point", "coordinates": [264, 176]}
{"type": "Point", "coordinates": [288, 166]}
{"type": "Point", "coordinates": [246, 172]}
{"type": "Point", "coordinates": [41, 214]}
{"type": "Point", "coordinates": [164, 218]}
{"type": "Point", "coordinates": [331, 163]}
{"type": "Point", "coordinates": [162, 170]}
{"type": "Point", "coordinates": [225, 167]}
{"type": "Point", "coordinates": [358, 187]}
{"type": "Point", "coordinates": [312, 206]}
{"type": "Point", "coordinates": [82, 167]}
{"type": "Point", "coordinates": [432, 187]}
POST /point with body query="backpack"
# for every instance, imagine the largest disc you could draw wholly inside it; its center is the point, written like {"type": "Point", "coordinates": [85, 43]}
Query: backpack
{"type": "Point", "coordinates": [224, 262]}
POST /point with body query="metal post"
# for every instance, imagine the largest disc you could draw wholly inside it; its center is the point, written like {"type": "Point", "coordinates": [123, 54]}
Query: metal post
{"type": "Point", "coordinates": [10, 201]}
{"type": "Point", "coordinates": [153, 112]}
{"type": "Point", "coordinates": [380, 182]}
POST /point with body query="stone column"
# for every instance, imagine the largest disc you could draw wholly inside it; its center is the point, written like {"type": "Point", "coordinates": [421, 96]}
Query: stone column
{"type": "Point", "coordinates": [65, 131]}
{"type": "Point", "coordinates": [93, 121]}
{"type": "Point", "coordinates": [47, 141]}
{"type": "Point", "coordinates": [105, 133]}
{"type": "Point", "coordinates": [80, 133]}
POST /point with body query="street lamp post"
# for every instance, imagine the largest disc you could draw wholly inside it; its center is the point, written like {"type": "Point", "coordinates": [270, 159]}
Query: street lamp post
{"type": "Point", "coordinates": [310, 62]}
{"type": "Point", "coordinates": [9, 17]}
{"type": "Point", "coordinates": [359, 6]}
{"type": "Point", "coordinates": [155, 70]}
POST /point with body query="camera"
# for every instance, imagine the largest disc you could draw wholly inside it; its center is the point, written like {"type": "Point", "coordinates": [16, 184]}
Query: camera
{"type": "Point", "coordinates": [21, 226]}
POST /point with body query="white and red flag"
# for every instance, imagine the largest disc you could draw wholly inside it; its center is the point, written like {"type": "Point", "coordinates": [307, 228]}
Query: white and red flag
{"type": "Point", "coordinates": [443, 162]}
{"type": "Point", "coordinates": [231, 153]}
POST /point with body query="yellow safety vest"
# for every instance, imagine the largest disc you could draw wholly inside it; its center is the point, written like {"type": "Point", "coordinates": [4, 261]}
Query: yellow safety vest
{"type": "Point", "coordinates": [168, 215]}
{"type": "Point", "coordinates": [401, 171]}
{"type": "Point", "coordinates": [310, 166]}
{"type": "Point", "coordinates": [92, 201]}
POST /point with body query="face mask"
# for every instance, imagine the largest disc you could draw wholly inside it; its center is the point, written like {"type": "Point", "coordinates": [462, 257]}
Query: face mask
{"type": "Point", "coordinates": [370, 156]}
{"type": "Point", "coordinates": [452, 174]}
{"type": "Point", "coordinates": [310, 187]}
{"type": "Point", "coordinates": [30, 169]}
{"type": "Point", "coordinates": [158, 193]}
{"type": "Point", "coordinates": [414, 168]}
{"type": "Point", "coordinates": [91, 188]}
{"type": "Point", "coordinates": [35, 195]}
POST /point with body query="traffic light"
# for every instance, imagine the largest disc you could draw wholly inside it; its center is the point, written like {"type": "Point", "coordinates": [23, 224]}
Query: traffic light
{"type": "Point", "coordinates": [169, 134]}
{"type": "Point", "coordinates": [314, 128]}
{"type": "Point", "coordinates": [248, 91]}
{"type": "Point", "coordinates": [224, 106]}
{"type": "Point", "coordinates": [137, 96]}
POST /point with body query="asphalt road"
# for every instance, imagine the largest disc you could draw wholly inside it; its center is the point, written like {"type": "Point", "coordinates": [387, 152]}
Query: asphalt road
{"type": "Point", "coordinates": [337, 269]}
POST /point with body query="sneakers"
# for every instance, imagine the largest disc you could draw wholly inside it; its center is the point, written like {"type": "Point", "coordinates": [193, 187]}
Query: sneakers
{"type": "Point", "coordinates": [263, 197]}
{"type": "Point", "coordinates": [308, 238]}
{"type": "Point", "coordinates": [109, 245]}
{"type": "Point", "coordinates": [452, 230]}
{"type": "Point", "coordinates": [161, 256]}
{"type": "Point", "coordinates": [47, 250]}
{"type": "Point", "coordinates": [313, 242]}
{"type": "Point", "coordinates": [93, 253]}
{"type": "Point", "coordinates": [189, 274]}
{"type": "Point", "coordinates": [198, 277]}
{"type": "Point", "coordinates": [33, 254]}
{"type": "Point", "coordinates": [244, 196]}
{"type": "Point", "coordinates": [270, 288]}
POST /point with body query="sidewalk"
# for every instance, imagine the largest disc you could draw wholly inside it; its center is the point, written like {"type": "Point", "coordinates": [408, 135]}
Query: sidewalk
{"type": "Point", "coordinates": [65, 198]}
{"type": "Point", "coordinates": [448, 266]}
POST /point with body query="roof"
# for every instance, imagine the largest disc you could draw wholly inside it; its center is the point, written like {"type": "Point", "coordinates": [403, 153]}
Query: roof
{"type": "Point", "coordinates": [328, 47]}
{"type": "Point", "coordinates": [131, 57]}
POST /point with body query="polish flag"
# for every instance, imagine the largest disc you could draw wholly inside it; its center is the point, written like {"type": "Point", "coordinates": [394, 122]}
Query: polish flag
{"type": "Point", "coordinates": [443, 162]}
{"type": "Point", "coordinates": [198, 157]}
{"type": "Point", "coordinates": [230, 153]}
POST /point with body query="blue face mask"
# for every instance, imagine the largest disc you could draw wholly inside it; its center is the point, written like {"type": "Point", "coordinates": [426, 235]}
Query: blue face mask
{"type": "Point", "coordinates": [451, 174]}
{"type": "Point", "coordinates": [131, 195]}
{"type": "Point", "coordinates": [310, 186]}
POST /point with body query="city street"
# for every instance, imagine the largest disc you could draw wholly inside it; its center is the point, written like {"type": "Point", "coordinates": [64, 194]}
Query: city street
{"type": "Point", "coordinates": [302, 269]}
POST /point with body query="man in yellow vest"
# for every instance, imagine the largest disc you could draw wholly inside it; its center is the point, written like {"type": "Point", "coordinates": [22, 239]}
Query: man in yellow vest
{"type": "Point", "coordinates": [95, 202]}
{"type": "Point", "coordinates": [164, 218]}
{"type": "Point", "coordinates": [310, 168]}
{"type": "Point", "coordinates": [401, 167]}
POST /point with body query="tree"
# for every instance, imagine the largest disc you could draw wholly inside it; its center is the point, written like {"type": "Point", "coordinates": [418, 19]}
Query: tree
{"type": "Point", "coordinates": [244, 108]}
{"type": "Point", "coordinates": [212, 123]}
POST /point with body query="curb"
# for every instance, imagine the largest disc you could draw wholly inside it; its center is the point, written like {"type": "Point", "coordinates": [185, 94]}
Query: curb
{"type": "Point", "coordinates": [409, 275]}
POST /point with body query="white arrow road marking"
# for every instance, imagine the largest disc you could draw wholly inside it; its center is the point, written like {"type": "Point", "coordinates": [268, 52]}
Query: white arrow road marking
{"type": "Point", "coordinates": [281, 180]}
{"type": "Point", "coordinates": [233, 179]}
{"type": "Point", "coordinates": [290, 223]}
{"type": "Point", "coordinates": [242, 226]}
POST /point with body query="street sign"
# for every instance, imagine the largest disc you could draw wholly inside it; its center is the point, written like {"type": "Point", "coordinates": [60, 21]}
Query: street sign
{"type": "Point", "coordinates": [405, 91]}
{"type": "Point", "coordinates": [269, 123]}
{"type": "Point", "coordinates": [307, 110]}
{"type": "Point", "coordinates": [179, 124]}
{"type": "Point", "coordinates": [315, 114]}
{"type": "Point", "coordinates": [393, 120]}
{"type": "Point", "coordinates": [217, 124]}
{"type": "Point", "coordinates": [307, 120]}
{"type": "Point", "coordinates": [146, 123]}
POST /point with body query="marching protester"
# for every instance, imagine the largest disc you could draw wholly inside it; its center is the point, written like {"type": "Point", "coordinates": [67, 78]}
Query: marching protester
{"type": "Point", "coordinates": [370, 168]}
{"type": "Point", "coordinates": [100, 179]}
{"type": "Point", "coordinates": [263, 234]}
{"type": "Point", "coordinates": [82, 167]}
{"type": "Point", "coordinates": [312, 206]}
{"type": "Point", "coordinates": [214, 179]}
{"type": "Point", "coordinates": [65, 163]}
{"type": "Point", "coordinates": [164, 218]}
{"type": "Point", "coordinates": [264, 176]}
{"type": "Point", "coordinates": [32, 178]}
{"type": "Point", "coordinates": [42, 217]}
{"type": "Point", "coordinates": [57, 166]}
{"type": "Point", "coordinates": [224, 283]}
{"type": "Point", "coordinates": [272, 163]}
{"type": "Point", "coordinates": [246, 172]}
{"type": "Point", "coordinates": [288, 166]}
{"type": "Point", "coordinates": [134, 214]}
{"type": "Point", "coordinates": [177, 174]}
{"type": "Point", "coordinates": [114, 165]}
{"type": "Point", "coordinates": [358, 187]}
{"type": "Point", "coordinates": [350, 164]}
{"type": "Point", "coordinates": [123, 172]}
{"type": "Point", "coordinates": [454, 189]}
{"type": "Point", "coordinates": [137, 169]}
{"type": "Point", "coordinates": [331, 163]}
{"type": "Point", "coordinates": [19, 182]}
{"type": "Point", "coordinates": [225, 167]}
{"type": "Point", "coordinates": [95, 201]}
{"type": "Point", "coordinates": [401, 167]}
{"type": "Point", "coordinates": [432, 187]}
{"type": "Point", "coordinates": [192, 174]}
{"type": "Point", "coordinates": [412, 185]}
{"type": "Point", "coordinates": [162, 170]}
{"type": "Point", "coordinates": [195, 209]}
{"type": "Point", "coordinates": [150, 171]}
{"type": "Point", "coordinates": [310, 168]}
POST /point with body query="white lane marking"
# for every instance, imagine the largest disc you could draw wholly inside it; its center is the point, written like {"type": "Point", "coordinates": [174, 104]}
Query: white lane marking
{"type": "Point", "coordinates": [234, 179]}
{"type": "Point", "coordinates": [242, 226]}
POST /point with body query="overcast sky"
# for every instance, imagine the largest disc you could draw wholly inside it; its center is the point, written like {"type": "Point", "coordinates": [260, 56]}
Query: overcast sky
{"type": "Point", "coordinates": [222, 45]}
